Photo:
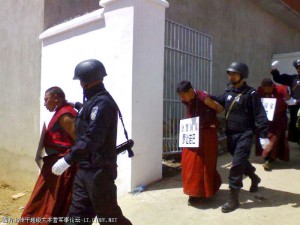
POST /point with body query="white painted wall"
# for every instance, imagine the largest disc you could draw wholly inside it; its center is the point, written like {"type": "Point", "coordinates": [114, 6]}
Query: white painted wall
{"type": "Point", "coordinates": [147, 93]}
{"type": "Point", "coordinates": [127, 36]}
{"type": "Point", "coordinates": [286, 62]}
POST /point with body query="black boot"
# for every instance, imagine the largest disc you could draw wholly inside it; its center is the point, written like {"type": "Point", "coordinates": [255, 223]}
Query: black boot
{"type": "Point", "coordinates": [255, 180]}
{"type": "Point", "coordinates": [233, 201]}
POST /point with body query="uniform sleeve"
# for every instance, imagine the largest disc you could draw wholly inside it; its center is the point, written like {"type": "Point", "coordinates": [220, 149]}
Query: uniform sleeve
{"type": "Point", "coordinates": [283, 79]}
{"type": "Point", "coordinates": [220, 99]}
{"type": "Point", "coordinates": [259, 115]}
{"type": "Point", "coordinates": [95, 134]}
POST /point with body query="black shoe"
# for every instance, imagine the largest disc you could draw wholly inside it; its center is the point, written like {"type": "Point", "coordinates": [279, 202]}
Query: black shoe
{"type": "Point", "coordinates": [123, 221]}
{"type": "Point", "coordinates": [233, 201]}
{"type": "Point", "coordinates": [255, 180]}
{"type": "Point", "coordinates": [194, 200]}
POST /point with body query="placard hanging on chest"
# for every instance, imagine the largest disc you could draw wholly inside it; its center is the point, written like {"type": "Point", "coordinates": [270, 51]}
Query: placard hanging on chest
{"type": "Point", "coordinates": [189, 132]}
{"type": "Point", "coordinates": [269, 106]}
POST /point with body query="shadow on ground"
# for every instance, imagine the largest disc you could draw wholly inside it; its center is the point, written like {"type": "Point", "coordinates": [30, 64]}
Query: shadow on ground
{"type": "Point", "coordinates": [266, 197]}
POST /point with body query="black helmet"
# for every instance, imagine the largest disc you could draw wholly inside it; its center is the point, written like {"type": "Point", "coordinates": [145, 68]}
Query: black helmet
{"type": "Point", "coordinates": [89, 71]}
{"type": "Point", "coordinates": [296, 63]}
{"type": "Point", "coordinates": [240, 68]}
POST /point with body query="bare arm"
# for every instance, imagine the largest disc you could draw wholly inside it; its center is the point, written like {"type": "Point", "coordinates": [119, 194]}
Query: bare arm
{"type": "Point", "coordinates": [67, 122]}
{"type": "Point", "coordinates": [213, 104]}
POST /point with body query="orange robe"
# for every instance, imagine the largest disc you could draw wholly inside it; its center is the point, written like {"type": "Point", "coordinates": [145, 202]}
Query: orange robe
{"type": "Point", "coordinates": [278, 146]}
{"type": "Point", "coordinates": [51, 196]}
{"type": "Point", "coordinates": [199, 175]}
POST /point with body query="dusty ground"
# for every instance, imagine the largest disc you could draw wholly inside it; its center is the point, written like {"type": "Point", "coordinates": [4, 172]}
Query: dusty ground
{"type": "Point", "coordinates": [276, 203]}
{"type": "Point", "coordinates": [163, 203]}
{"type": "Point", "coordinates": [8, 206]}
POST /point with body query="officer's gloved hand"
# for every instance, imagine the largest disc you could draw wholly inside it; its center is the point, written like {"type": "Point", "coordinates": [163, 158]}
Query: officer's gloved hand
{"type": "Point", "coordinates": [292, 101]}
{"type": "Point", "coordinates": [264, 142]}
{"type": "Point", "coordinates": [274, 65]}
{"type": "Point", "coordinates": [60, 166]}
{"type": "Point", "coordinates": [274, 70]}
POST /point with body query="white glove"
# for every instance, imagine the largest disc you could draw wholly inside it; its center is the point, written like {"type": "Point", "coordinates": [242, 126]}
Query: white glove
{"type": "Point", "coordinates": [298, 114]}
{"type": "Point", "coordinates": [291, 101]}
{"type": "Point", "coordinates": [264, 142]}
{"type": "Point", "coordinates": [60, 166]}
{"type": "Point", "coordinates": [274, 65]}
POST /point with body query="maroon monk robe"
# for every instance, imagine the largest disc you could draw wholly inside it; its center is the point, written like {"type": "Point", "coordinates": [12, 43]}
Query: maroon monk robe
{"type": "Point", "coordinates": [199, 175]}
{"type": "Point", "coordinates": [51, 196]}
{"type": "Point", "coordinates": [278, 147]}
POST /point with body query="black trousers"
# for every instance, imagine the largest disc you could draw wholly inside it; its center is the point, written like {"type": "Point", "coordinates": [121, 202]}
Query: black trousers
{"type": "Point", "coordinates": [293, 134]}
{"type": "Point", "coordinates": [95, 194]}
{"type": "Point", "coordinates": [239, 146]}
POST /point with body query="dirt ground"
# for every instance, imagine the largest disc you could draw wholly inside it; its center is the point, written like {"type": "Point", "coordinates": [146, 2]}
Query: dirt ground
{"type": "Point", "coordinates": [8, 206]}
{"type": "Point", "coordinates": [12, 208]}
{"type": "Point", "coordinates": [163, 203]}
{"type": "Point", "coordinates": [276, 203]}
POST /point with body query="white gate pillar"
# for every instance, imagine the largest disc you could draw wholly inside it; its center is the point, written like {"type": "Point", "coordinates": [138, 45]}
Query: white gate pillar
{"type": "Point", "coordinates": [127, 36]}
{"type": "Point", "coordinates": [147, 85]}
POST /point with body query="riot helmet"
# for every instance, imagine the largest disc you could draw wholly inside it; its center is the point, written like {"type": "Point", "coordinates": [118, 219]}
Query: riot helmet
{"type": "Point", "coordinates": [89, 71]}
{"type": "Point", "coordinates": [296, 63]}
{"type": "Point", "coordinates": [240, 68]}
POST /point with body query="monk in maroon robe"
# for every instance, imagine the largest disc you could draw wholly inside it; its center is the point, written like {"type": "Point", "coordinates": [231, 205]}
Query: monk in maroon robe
{"type": "Point", "coordinates": [278, 147]}
{"type": "Point", "coordinates": [51, 196]}
{"type": "Point", "coordinates": [200, 177]}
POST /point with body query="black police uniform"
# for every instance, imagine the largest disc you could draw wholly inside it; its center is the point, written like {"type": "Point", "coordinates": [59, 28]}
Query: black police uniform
{"type": "Point", "coordinates": [292, 81]}
{"type": "Point", "coordinates": [94, 190]}
{"type": "Point", "coordinates": [246, 114]}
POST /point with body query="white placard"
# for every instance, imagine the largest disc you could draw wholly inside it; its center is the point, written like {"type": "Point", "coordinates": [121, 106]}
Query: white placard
{"type": "Point", "coordinates": [269, 105]}
{"type": "Point", "coordinates": [189, 132]}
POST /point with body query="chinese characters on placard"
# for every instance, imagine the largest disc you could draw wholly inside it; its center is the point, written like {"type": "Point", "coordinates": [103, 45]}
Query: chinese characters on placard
{"type": "Point", "coordinates": [269, 105]}
{"type": "Point", "coordinates": [189, 132]}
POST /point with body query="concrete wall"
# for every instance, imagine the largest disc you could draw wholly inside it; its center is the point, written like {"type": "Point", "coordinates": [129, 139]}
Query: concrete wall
{"type": "Point", "coordinates": [147, 90]}
{"type": "Point", "coordinates": [241, 31]}
{"type": "Point", "coordinates": [20, 68]}
{"type": "Point", "coordinates": [57, 11]}
{"type": "Point", "coordinates": [286, 60]}
{"type": "Point", "coordinates": [116, 35]}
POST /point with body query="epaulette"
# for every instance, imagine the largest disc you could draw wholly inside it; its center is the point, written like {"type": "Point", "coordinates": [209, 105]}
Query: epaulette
{"type": "Point", "coordinates": [252, 91]}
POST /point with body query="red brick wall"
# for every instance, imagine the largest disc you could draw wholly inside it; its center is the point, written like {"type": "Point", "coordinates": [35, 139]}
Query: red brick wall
{"type": "Point", "coordinates": [295, 4]}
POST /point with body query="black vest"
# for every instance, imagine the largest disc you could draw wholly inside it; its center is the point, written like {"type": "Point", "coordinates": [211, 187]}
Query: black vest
{"type": "Point", "coordinates": [240, 116]}
{"type": "Point", "coordinates": [295, 88]}
{"type": "Point", "coordinates": [107, 152]}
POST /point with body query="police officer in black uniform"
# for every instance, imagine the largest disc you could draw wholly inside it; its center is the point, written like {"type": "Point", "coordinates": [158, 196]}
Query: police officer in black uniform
{"type": "Point", "coordinates": [293, 81]}
{"type": "Point", "coordinates": [94, 190]}
{"type": "Point", "coordinates": [244, 113]}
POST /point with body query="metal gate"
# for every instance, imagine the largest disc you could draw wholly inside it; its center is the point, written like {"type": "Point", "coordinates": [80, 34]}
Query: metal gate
{"type": "Point", "coordinates": [188, 56]}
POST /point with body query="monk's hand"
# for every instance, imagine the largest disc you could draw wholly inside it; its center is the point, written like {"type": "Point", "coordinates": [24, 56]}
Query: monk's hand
{"type": "Point", "coordinates": [264, 142]}
{"type": "Point", "coordinates": [60, 166]}
{"type": "Point", "coordinates": [264, 154]}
